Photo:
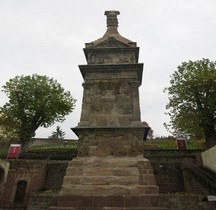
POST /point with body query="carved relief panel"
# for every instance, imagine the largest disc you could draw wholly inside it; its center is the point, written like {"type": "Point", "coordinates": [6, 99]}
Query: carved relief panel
{"type": "Point", "coordinates": [111, 58]}
{"type": "Point", "coordinates": [108, 103]}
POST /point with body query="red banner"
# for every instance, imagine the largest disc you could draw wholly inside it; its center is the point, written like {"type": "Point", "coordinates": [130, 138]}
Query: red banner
{"type": "Point", "coordinates": [14, 151]}
{"type": "Point", "coordinates": [181, 144]}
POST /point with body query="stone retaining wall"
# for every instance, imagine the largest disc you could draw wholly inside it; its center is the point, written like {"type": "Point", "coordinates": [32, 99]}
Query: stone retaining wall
{"type": "Point", "coordinates": [46, 174]}
{"type": "Point", "coordinates": [186, 202]}
{"type": "Point", "coordinates": [170, 201]}
{"type": "Point", "coordinates": [39, 175]}
{"type": "Point", "coordinates": [42, 202]}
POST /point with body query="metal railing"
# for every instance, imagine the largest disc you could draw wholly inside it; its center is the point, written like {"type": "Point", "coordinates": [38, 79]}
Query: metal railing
{"type": "Point", "coordinates": [201, 174]}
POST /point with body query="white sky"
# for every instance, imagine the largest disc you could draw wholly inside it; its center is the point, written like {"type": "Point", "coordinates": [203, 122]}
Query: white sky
{"type": "Point", "coordinates": [47, 36]}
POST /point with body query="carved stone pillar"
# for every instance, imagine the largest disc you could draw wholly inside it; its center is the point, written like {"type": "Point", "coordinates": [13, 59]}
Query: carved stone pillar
{"type": "Point", "coordinates": [110, 170]}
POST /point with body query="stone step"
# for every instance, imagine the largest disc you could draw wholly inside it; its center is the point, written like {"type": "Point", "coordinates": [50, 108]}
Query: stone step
{"type": "Point", "coordinates": [110, 161]}
{"type": "Point", "coordinates": [101, 180]}
{"type": "Point", "coordinates": [100, 202]}
{"type": "Point", "coordinates": [110, 208]}
{"type": "Point", "coordinates": [60, 208]}
{"type": "Point", "coordinates": [137, 208]}
{"type": "Point", "coordinates": [102, 171]}
{"type": "Point", "coordinates": [108, 190]}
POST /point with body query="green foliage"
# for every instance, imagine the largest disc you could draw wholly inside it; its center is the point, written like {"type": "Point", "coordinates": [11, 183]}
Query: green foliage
{"type": "Point", "coordinates": [57, 134]}
{"type": "Point", "coordinates": [34, 101]}
{"type": "Point", "coordinates": [167, 144]}
{"type": "Point", "coordinates": [69, 150]}
{"type": "Point", "coordinates": [4, 146]}
{"type": "Point", "coordinates": [54, 149]}
{"type": "Point", "coordinates": [3, 152]}
{"type": "Point", "coordinates": [192, 100]}
{"type": "Point", "coordinates": [197, 144]}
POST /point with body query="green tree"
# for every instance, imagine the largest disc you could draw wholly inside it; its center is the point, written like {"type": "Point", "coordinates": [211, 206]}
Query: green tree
{"type": "Point", "coordinates": [57, 134]}
{"type": "Point", "coordinates": [34, 101]}
{"type": "Point", "coordinates": [192, 100]}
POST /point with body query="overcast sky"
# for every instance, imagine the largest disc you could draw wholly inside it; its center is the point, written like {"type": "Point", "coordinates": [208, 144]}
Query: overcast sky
{"type": "Point", "coordinates": [47, 37]}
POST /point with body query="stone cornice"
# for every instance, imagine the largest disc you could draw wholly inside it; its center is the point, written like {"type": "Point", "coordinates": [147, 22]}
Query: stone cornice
{"type": "Point", "coordinates": [105, 68]}
{"type": "Point", "coordinates": [112, 50]}
{"type": "Point", "coordinates": [107, 129]}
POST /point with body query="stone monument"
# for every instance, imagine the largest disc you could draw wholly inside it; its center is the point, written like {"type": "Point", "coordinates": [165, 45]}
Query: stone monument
{"type": "Point", "coordinates": [110, 171]}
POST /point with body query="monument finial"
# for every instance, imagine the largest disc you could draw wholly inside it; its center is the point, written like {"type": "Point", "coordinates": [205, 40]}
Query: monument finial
{"type": "Point", "coordinates": [112, 31]}
{"type": "Point", "coordinates": [112, 21]}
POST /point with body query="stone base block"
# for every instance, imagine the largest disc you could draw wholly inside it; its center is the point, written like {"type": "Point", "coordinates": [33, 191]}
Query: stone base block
{"type": "Point", "coordinates": [108, 208]}
{"type": "Point", "coordinates": [141, 208]}
{"type": "Point", "coordinates": [100, 202]}
{"type": "Point", "coordinates": [109, 183]}
{"type": "Point", "coordinates": [95, 176]}
{"type": "Point", "coordinates": [109, 190]}
{"type": "Point", "coordinates": [61, 208]}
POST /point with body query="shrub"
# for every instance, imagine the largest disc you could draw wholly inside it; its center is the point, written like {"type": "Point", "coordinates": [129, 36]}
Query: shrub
{"type": "Point", "coordinates": [168, 144]}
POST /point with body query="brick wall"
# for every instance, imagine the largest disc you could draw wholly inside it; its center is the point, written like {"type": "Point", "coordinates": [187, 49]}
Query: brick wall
{"type": "Point", "coordinates": [169, 177]}
{"type": "Point", "coordinates": [55, 172]}
{"type": "Point", "coordinates": [170, 201]}
{"type": "Point", "coordinates": [42, 202]}
{"type": "Point", "coordinates": [170, 173]}
{"type": "Point", "coordinates": [39, 175]}
{"type": "Point", "coordinates": [30, 171]}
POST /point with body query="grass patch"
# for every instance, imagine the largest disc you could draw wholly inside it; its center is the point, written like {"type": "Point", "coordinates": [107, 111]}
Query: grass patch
{"type": "Point", "coordinates": [3, 152]}
{"type": "Point", "coordinates": [171, 144]}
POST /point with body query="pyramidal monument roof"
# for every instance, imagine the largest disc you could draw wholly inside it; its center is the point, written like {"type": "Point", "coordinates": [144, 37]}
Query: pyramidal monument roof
{"type": "Point", "coordinates": [111, 34]}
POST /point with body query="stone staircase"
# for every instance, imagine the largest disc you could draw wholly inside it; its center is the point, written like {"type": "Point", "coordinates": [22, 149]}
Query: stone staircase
{"type": "Point", "coordinates": [205, 177]}
{"type": "Point", "coordinates": [106, 183]}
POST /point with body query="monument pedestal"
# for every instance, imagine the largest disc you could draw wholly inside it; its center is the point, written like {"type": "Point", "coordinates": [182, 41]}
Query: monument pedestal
{"type": "Point", "coordinates": [109, 176]}
{"type": "Point", "coordinates": [110, 182]}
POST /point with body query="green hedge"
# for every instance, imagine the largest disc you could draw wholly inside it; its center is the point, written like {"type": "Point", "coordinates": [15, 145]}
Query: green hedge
{"type": "Point", "coordinates": [171, 144]}
{"type": "Point", "coordinates": [69, 150]}
{"type": "Point", "coordinates": [48, 151]}
{"type": "Point", "coordinates": [54, 149]}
